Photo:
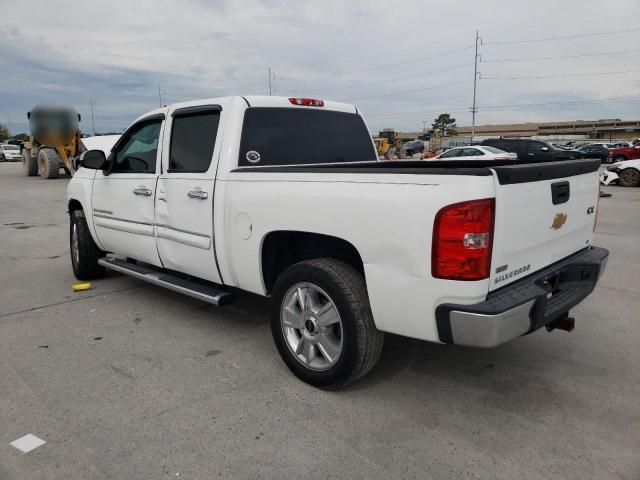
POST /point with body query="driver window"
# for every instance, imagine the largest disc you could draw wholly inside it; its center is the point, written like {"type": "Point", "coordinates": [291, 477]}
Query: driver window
{"type": "Point", "coordinates": [138, 152]}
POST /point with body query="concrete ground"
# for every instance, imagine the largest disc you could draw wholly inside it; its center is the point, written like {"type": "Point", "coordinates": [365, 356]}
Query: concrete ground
{"type": "Point", "coordinates": [129, 381]}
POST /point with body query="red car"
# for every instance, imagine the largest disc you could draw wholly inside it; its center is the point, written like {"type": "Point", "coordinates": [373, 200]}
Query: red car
{"type": "Point", "coordinates": [624, 153]}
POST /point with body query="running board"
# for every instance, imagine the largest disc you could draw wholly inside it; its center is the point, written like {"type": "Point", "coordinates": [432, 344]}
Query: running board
{"type": "Point", "coordinates": [187, 287]}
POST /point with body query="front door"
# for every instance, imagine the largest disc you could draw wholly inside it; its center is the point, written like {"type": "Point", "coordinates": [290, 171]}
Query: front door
{"type": "Point", "coordinates": [123, 201]}
{"type": "Point", "coordinates": [184, 206]}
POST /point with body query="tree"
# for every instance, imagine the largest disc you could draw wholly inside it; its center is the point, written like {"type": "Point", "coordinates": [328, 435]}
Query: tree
{"type": "Point", "coordinates": [4, 133]}
{"type": "Point", "coordinates": [21, 136]}
{"type": "Point", "coordinates": [444, 125]}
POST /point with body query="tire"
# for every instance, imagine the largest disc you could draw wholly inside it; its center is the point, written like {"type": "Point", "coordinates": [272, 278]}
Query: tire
{"type": "Point", "coordinates": [2, 158]}
{"type": "Point", "coordinates": [629, 177]}
{"type": "Point", "coordinates": [48, 163]}
{"type": "Point", "coordinates": [84, 251]}
{"type": "Point", "coordinates": [29, 164]}
{"type": "Point", "coordinates": [619, 158]}
{"type": "Point", "coordinates": [355, 342]}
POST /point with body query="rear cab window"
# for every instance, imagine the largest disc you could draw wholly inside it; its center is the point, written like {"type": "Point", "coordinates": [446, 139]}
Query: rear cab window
{"type": "Point", "coordinates": [193, 138]}
{"type": "Point", "coordinates": [301, 136]}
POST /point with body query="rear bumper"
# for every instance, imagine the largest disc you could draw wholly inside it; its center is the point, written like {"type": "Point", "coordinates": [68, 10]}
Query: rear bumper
{"type": "Point", "coordinates": [524, 306]}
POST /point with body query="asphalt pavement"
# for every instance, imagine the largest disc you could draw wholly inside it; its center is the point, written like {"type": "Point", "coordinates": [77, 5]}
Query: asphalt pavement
{"type": "Point", "coordinates": [130, 381]}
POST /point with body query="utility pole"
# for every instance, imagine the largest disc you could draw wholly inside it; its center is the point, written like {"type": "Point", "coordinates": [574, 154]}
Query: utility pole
{"type": "Point", "coordinates": [474, 109]}
{"type": "Point", "coordinates": [161, 91]}
{"type": "Point", "coordinates": [272, 76]}
{"type": "Point", "coordinates": [93, 124]}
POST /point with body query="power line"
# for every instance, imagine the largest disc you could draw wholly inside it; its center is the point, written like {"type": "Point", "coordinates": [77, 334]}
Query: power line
{"type": "Point", "coordinates": [409, 91]}
{"type": "Point", "coordinates": [562, 76]}
{"type": "Point", "coordinates": [367, 69]}
{"type": "Point", "coordinates": [564, 37]}
{"type": "Point", "coordinates": [376, 82]}
{"type": "Point", "coordinates": [561, 57]}
{"type": "Point", "coordinates": [505, 106]}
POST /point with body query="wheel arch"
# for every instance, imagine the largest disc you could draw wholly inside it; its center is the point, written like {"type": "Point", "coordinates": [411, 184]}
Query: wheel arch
{"type": "Point", "coordinates": [282, 248]}
{"type": "Point", "coordinates": [74, 205]}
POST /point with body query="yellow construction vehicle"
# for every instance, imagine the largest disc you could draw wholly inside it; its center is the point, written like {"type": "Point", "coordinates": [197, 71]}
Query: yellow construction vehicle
{"type": "Point", "coordinates": [54, 141]}
{"type": "Point", "coordinates": [387, 143]}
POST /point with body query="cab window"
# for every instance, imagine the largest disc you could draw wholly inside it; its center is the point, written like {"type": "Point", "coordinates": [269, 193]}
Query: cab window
{"type": "Point", "coordinates": [138, 151]}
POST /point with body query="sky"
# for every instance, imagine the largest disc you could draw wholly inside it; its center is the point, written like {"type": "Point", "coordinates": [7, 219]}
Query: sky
{"type": "Point", "coordinates": [402, 63]}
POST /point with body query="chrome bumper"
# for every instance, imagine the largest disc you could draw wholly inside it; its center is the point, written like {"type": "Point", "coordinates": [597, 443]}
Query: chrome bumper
{"type": "Point", "coordinates": [523, 306]}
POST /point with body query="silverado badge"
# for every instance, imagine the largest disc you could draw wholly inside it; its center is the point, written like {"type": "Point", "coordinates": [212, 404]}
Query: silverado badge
{"type": "Point", "coordinates": [559, 220]}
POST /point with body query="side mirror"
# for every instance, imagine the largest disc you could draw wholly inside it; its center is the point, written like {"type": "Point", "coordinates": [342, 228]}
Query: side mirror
{"type": "Point", "coordinates": [545, 149]}
{"type": "Point", "coordinates": [93, 159]}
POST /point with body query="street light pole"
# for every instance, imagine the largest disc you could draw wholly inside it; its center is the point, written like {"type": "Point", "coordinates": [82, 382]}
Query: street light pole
{"type": "Point", "coordinates": [474, 109]}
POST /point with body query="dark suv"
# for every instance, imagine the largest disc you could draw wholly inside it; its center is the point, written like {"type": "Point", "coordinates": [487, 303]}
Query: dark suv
{"type": "Point", "coordinates": [532, 149]}
{"type": "Point", "coordinates": [414, 146]}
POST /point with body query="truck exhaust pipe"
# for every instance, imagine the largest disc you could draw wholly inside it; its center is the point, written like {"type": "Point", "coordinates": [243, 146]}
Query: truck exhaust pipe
{"type": "Point", "coordinates": [564, 322]}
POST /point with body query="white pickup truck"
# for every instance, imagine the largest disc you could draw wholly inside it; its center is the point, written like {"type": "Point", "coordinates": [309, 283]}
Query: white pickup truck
{"type": "Point", "coordinates": [284, 197]}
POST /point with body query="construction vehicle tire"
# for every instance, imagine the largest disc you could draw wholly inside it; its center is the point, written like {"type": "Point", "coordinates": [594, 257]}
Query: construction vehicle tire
{"type": "Point", "coordinates": [29, 164]}
{"type": "Point", "coordinates": [48, 163]}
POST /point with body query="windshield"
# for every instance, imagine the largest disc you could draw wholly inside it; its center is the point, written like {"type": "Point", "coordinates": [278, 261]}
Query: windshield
{"type": "Point", "coordinates": [10, 147]}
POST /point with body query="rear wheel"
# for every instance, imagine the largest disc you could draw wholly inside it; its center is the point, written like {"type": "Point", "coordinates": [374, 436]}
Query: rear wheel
{"type": "Point", "coordinates": [48, 163]}
{"type": "Point", "coordinates": [84, 251]}
{"type": "Point", "coordinates": [29, 164]}
{"type": "Point", "coordinates": [619, 158]}
{"type": "Point", "coordinates": [322, 324]}
{"type": "Point", "coordinates": [629, 177]}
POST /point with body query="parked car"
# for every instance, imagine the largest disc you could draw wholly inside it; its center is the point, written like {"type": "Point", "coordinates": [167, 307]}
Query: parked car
{"type": "Point", "coordinates": [433, 153]}
{"type": "Point", "coordinates": [621, 154]}
{"type": "Point", "coordinates": [625, 173]}
{"type": "Point", "coordinates": [479, 152]}
{"type": "Point", "coordinates": [620, 144]}
{"type": "Point", "coordinates": [345, 246]}
{"type": "Point", "coordinates": [532, 149]}
{"type": "Point", "coordinates": [413, 147]}
{"type": "Point", "coordinates": [595, 150]}
{"type": "Point", "coordinates": [9, 153]}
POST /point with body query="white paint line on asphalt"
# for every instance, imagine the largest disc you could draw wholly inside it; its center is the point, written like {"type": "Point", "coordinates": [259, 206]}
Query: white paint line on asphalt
{"type": "Point", "coordinates": [27, 443]}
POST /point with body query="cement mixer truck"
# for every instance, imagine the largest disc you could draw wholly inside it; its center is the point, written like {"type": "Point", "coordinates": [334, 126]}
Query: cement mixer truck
{"type": "Point", "coordinates": [54, 141]}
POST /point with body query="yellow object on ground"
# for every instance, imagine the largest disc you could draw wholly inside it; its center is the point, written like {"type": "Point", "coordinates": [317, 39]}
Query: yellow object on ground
{"type": "Point", "coordinates": [80, 287]}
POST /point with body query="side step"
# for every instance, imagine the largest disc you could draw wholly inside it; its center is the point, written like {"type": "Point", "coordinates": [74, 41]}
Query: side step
{"type": "Point", "coordinates": [157, 277]}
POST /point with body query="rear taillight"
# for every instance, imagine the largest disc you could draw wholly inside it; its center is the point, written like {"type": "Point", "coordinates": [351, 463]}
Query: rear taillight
{"type": "Point", "coordinates": [306, 102]}
{"type": "Point", "coordinates": [462, 240]}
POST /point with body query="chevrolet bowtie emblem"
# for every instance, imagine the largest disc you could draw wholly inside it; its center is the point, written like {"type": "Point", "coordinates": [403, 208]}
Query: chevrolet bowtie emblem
{"type": "Point", "coordinates": [559, 220]}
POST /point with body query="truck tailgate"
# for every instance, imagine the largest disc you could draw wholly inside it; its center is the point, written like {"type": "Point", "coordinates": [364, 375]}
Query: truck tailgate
{"type": "Point", "coordinates": [544, 212]}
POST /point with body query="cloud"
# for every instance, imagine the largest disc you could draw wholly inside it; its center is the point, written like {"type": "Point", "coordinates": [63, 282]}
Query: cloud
{"type": "Point", "coordinates": [119, 53]}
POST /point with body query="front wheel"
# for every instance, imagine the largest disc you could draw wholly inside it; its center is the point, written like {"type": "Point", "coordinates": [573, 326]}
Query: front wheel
{"type": "Point", "coordinates": [322, 323]}
{"type": "Point", "coordinates": [629, 177]}
{"type": "Point", "coordinates": [84, 251]}
{"type": "Point", "coordinates": [29, 164]}
{"type": "Point", "coordinates": [48, 163]}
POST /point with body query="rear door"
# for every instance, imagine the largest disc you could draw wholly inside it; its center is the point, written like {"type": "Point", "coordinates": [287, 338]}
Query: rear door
{"type": "Point", "coordinates": [123, 201]}
{"type": "Point", "coordinates": [184, 207]}
{"type": "Point", "coordinates": [471, 153]}
{"type": "Point", "coordinates": [544, 213]}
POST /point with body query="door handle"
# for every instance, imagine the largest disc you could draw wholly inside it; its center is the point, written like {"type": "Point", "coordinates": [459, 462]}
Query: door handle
{"type": "Point", "coordinates": [199, 194]}
{"type": "Point", "coordinates": [144, 191]}
{"type": "Point", "coordinates": [531, 154]}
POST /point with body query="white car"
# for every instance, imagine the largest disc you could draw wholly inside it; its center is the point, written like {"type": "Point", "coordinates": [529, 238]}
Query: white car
{"type": "Point", "coordinates": [476, 152]}
{"type": "Point", "coordinates": [211, 196]}
{"type": "Point", "coordinates": [626, 173]}
{"type": "Point", "coordinates": [9, 153]}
